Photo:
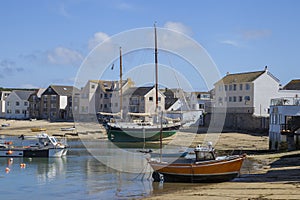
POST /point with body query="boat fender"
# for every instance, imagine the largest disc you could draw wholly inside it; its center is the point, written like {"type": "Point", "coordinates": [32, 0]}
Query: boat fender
{"type": "Point", "coordinates": [161, 177]}
{"type": "Point", "coordinates": [9, 152]}
{"type": "Point", "coordinates": [22, 165]}
{"type": "Point", "coordinates": [7, 170]}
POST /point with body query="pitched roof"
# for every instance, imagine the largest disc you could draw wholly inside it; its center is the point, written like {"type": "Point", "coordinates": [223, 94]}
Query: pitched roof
{"type": "Point", "coordinates": [64, 90]}
{"type": "Point", "coordinates": [168, 93]}
{"type": "Point", "coordinates": [169, 102]}
{"type": "Point", "coordinates": [293, 85]}
{"type": "Point", "coordinates": [22, 94]}
{"type": "Point", "coordinates": [138, 91]}
{"type": "Point", "coordinates": [111, 85]}
{"type": "Point", "coordinates": [241, 77]}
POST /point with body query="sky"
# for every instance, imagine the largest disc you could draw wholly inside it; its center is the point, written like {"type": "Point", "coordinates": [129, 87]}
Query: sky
{"type": "Point", "coordinates": [44, 42]}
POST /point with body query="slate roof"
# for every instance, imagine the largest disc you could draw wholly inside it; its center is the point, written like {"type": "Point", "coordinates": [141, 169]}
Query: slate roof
{"type": "Point", "coordinates": [293, 85]}
{"type": "Point", "coordinates": [169, 102]}
{"type": "Point", "coordinates": [241, 77]}
{"type": "Point", "coordinates": [62, 90]}
{"type": "Point", "coordinates": [22, 94]}
{"type": "Point", "coordinates": [138, 91]}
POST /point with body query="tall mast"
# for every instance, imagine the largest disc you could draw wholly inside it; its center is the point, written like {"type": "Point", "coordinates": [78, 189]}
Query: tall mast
{"type": "Point", "coordinates": [156, 69]}
{"type": "Point", "coordinates": [121, 85]}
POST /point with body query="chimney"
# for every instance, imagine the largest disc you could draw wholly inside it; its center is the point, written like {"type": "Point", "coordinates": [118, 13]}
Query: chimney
{"type": "Point", "coordinates": [227, 73]}
{"type": "Point", "coordinates": [266, 68]}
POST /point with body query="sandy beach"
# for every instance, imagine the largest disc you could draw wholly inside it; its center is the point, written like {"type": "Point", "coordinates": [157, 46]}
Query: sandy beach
{"type": "Point", "coordinates": [264, 176]}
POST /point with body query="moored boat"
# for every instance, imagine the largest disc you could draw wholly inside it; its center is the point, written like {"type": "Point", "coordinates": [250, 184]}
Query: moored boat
{"type": "Point", "coordinates": [131, 132]}
{"type": "Point", "coordinates": [38, 129]}
{"type": "Point", "coordinates": [206, 167]}
{"type": "Point", "coordinates": [43, 146]}
{"type": "Point", "coordinates": [145, 130]}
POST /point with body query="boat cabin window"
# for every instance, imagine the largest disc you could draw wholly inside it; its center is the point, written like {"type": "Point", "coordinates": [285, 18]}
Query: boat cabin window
{"type": "Point", "coordinates": [53, 140]}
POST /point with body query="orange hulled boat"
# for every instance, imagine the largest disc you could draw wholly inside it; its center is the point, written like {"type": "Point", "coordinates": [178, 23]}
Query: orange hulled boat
{"type": "Point", "coordinates": [204, 166]}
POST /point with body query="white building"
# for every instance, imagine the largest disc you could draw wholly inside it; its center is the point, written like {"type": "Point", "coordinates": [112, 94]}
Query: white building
{"type": "Point", "coordinates": [101, 96]}
{"type": "Point", "coordinates": [284, 124]}
{"type": "Point", "coordinates": [17, 104]}
{"type": "Point", "coordinates": [285, 118]}
{"type": "Point", "coordinates": [248, 92]}
{"type": "Point", "coordinates": [3, 95]}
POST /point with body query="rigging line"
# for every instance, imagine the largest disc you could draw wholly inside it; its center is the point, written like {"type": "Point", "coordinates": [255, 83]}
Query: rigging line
{"type": "Point", "coordinates": [177, 80]}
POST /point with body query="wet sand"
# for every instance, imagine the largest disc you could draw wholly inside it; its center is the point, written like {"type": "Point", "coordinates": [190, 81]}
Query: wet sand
{"type": "Point", "coordinates": [263, 176]}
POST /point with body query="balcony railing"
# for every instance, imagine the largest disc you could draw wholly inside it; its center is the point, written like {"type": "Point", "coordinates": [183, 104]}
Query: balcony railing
{"type": "Point", "coordinates": [286, 101]}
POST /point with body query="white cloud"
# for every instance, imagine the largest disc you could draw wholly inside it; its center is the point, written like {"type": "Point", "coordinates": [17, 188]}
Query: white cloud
{"type": "Point", "coordinates": [230, 42]}
{"type": "Point", "coordinates": [64, 56]}
{"type": "Point", "coordinates": [179, 27]}
{"type": "Point", "coordinates": [96, 39]}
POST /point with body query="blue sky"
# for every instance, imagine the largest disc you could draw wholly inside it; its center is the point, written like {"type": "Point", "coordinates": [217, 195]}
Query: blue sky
{"type": "Point", "coordinates": [45, 42]}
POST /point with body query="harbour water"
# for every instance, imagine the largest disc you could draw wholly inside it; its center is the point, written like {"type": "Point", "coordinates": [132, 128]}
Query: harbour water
{"type": "Point", "coordinates": [79, 175]}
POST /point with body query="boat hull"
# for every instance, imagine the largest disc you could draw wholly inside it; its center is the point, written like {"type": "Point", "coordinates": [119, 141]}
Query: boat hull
{"type": "Point", "coordinates": [117, 134]}
{"type": "Point", "coordinates": [206, 171]}
{"type": "Point", "coordinates": [28, 152]}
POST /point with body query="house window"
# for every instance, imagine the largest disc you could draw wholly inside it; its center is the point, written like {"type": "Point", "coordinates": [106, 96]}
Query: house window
{"type": "Point", "coordinates": [105, 105]}
{"type": "Point", "coordinates": [101, 95]}
{"type": "Point", "coordinates": [234, 99]}
{"type": "Point", "coordinates": [110, 95]}
{"type": "Point", "coordinates": [24, 111]}
{"type": "Point", "coordinates": [105, 95]}
{"type": "Point", "coordinates": [234, 87]}
{"type": "Point", "coordinates": [8, 111]}
{"type": "Point", "coordinates": [247, 98]}
{"type": "Point", "coordinates": [230, 87]}
{"type": "Point", "coordinates": [150, 98]}
{"type": "Point", "coordinates": [101, 106]}
{"type": "Point", "coordinates": [17, 103]}
{"type": "Point", "coordinates": [240, 98]}
{"type": "Point", "coordinates": [241, 86]}
{"type": "Point", "coordinates": [159, 99]}
{"type": "Point", "coordinates": [17, 111]}
{"type": "Point", "coordinates": [247, 86]}
{"type": "Point", "coordinates": [93, 86]}
{"type": "Point", "coordinates": [230, 99]}
{"type": "Point", "coordinates": [226, 87]}
{"type": "Point", "coordinates": [8, 103]}
{"type": "Point", "coordinates": [53, 97]}
{"type": "Point", "coordinates": [220, 88]}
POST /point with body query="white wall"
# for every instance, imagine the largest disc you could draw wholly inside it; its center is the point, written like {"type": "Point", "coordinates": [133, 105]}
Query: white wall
{"type": "Point", "coordinates": [63, 102]}
{"type": "Point", "coordinates": [265, 88]}
{"type": "Point", "coordinates": [11, 100]}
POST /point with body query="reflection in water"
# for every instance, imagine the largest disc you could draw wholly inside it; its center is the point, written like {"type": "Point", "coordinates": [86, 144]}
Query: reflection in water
{"type": "Point", "coordinates": [77, 176]}
{"type": "Point", "coordinates": [49, 168]}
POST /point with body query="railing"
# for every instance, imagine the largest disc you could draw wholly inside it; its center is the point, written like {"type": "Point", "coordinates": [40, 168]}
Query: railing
{"type": "Point", "coordinates": [288, 128]}
{"type": "Point", "coordinates": [286, 101]}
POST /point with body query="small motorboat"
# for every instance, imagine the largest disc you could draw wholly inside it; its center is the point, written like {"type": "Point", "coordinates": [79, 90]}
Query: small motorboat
{"type": "Point", "coordinates": [38, 129]}
{"type": "Point", "coordinates": [43, 146]}
{"type": "Point", "coordinates": [203, 167]}
{"type": "Point", "coordinates": [68, 129]}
